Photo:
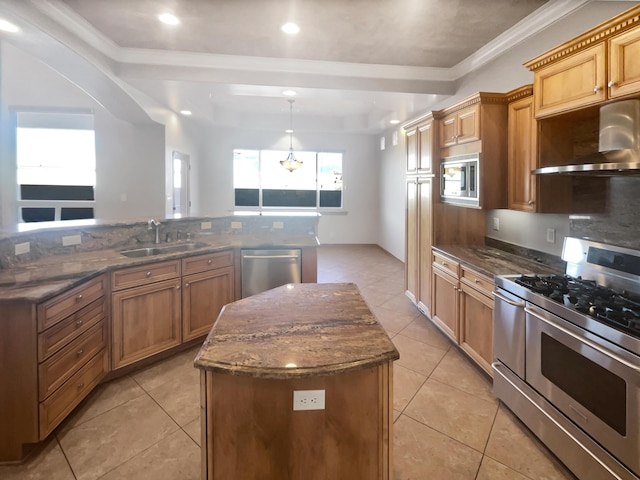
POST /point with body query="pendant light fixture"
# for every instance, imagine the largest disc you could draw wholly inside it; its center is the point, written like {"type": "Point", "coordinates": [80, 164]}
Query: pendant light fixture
{"type": "Point", "coordinates": [291, 163]}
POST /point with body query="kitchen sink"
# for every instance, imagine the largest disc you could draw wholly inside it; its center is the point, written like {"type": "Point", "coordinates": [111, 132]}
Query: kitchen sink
{"type": "Point", "coordinates": [151, 251]}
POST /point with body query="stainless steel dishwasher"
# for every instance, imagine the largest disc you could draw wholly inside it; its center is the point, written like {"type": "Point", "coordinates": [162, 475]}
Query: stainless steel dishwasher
{"type": "Point", "coordinates": [266, 269]}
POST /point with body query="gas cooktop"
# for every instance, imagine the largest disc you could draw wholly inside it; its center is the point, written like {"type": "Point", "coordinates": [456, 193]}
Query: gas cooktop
{"type": "Point", "coordinates": [619, 309]}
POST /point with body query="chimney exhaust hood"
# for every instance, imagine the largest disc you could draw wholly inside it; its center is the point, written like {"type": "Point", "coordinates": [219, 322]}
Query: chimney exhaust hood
{"type": "Point", "coordinates": [619, 144]}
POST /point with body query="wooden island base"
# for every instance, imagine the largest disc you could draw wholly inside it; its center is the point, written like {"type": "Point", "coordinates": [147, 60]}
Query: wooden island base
{"type": "Point", "coordinates": [304, 337]}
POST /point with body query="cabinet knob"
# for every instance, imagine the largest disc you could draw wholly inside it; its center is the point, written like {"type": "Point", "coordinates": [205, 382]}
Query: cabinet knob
{"type": "Point", "coordinates": [444, 264]}
{"type": "Point", "coordinates": [80, 385]}
{"type": "Point", "coordinates": [612, 84]}
{"type": "Point", "coordinates": [476, 280]}
{"type": "Point", "coordinates": [80, 352]}
{"type": "Point", "coordinates": [186, 285]}
{"type": "Point", "coordinates": [210, 261]}
{"type": "Point", "coordinates": [531, 202]}
{"type": "Point", "coordinates": [177, 287]}
{"type": "Point", "coordinates": [79, 323]}
{"type": "Point", "coordinates": [596, 89]}
{"type": "Point", "coordinates": [148, 274]}
{"type": "Point", "coordinates": [79, 298]}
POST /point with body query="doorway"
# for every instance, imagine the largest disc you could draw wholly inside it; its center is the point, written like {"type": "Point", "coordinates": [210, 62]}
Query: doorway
{"type": "Point", "coordinates": [181, 169]}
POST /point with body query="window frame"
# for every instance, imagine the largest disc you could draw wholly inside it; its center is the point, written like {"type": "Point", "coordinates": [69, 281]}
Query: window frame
{"type": "Point", "coordinates": [292, 209]}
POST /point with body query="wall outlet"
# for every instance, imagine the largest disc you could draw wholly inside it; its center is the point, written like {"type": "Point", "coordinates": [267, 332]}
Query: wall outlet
{"type": "Point", "coordinates": [205, 225]}
{"type": "Point", "coordinates": [71, 240]}
{"type": "Point", "coordinates": [236, 225]}
{"type": "Point", "coordinates": [551, 235]}
{"type": "Point", "coordinates": [278, 224]}
{"type": "Point", "coordinates": [308, 399]}
{"type": "Point", "coordinates": [22, 248]}
{"type": "Point", "coordinates": [496, 223]}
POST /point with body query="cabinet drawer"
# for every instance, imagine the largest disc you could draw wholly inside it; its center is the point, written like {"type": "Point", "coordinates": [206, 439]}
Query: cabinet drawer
{"type": "Point", "coordinates": [57, 369]}
{"type": "Point", "coordinates": [478, 281]}
{"type": "Point", "coordinates": [55, 408]}
{"type": "Point", "coordinates": [211, 261]}
{"type": "Point", "coordinates": [145, 274]}
{"type": "Point", "coordinates": [446, 264]}
{"type": "Point", "coordinates": [58, 308]}
{"type": "Point", "coordinates": [56, 337]}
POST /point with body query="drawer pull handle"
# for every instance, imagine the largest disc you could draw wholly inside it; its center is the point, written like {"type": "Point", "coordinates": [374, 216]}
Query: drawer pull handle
{"type": "Point", "coordinates": [477, 281]}
{"type": "Point", "coordinates": [80, 352]}
{"type": "Point", "coordinates": [209, 262]}
{"type": "Point", "coordinates": [148, 274]}
{"type": "Point", "coordinates": [81, 385]}
{"type": "Point", "coordinates": [444, 264]}
{"type": "Point", "coordinates": [79, 298]}
{"type": "Point", "coordinates": [78, 323]}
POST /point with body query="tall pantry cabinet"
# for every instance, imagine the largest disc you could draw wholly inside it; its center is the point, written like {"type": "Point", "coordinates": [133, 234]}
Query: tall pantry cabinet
{"type": "Point", "coordinates": [420, 144]}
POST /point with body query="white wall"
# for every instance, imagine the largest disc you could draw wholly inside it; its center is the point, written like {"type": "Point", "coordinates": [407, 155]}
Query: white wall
{"type": "Point", "coordinates": [360, 173]}
{"type": "Point", "coordinates": [130, 158]}
{"type": "Point", "coordinates": [392, 163]}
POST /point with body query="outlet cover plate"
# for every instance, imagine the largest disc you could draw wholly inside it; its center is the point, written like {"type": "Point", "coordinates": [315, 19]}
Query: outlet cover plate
{"type": "Point", "coordinates": [71, 240]}
{"type": "Point", "coordinates": [308, 399]}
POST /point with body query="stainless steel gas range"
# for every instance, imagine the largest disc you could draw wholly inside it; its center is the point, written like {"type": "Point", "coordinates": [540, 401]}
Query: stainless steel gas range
{"type": "Point", "coordinates": [567, 357]}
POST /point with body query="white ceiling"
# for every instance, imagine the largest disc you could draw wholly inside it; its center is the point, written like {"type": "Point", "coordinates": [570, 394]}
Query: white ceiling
{"type": "Point", "coordinates": [355, 64]}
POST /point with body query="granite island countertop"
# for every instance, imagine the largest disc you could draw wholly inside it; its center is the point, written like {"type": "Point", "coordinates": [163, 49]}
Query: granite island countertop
{"type": "Point", "coordinates": [297, 330]}
{"type": "Point", "coordinates": [48, 276]}
{"type": "Point", "coordinates": [492, 261]}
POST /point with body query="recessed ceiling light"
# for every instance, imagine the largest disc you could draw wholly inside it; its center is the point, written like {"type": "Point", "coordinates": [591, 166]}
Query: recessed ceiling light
{"type": "Point", "coordinates": [394, 121]}
{"type": "Point", "coordinates": [7, 26]}
{"type": "Point", "coordinates": [289, 93]}
{"type": "Point", "coordinates": [290, 28]}
{"type": "Point", "coordinates": [185, 112]}
{"type": "Point", "coordinates": [169, 19]}
{"type": "Point", "coordinates": [288, 130]}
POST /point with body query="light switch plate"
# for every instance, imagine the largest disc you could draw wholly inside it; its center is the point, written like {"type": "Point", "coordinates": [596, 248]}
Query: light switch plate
{"type": "Point", "coordinates": [496, 224]}
{"type": "Point", "coordinates": [551, 235]}
{"type": "Point", "coordinates": [278, 224]}
{"type": "Point", "coordinates": [21, 248]}
{"type": "Point", "coordinates": [205, 225]}
{"type": "Point", "coordinates": [71, 240]}
{"type": "Point", "coordinates": [236, 225]}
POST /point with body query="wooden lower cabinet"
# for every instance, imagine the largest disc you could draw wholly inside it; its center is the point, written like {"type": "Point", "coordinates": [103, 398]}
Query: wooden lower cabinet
{"type": "Point", "coordinates": [476, 318]}
{"type": "Point", "coordinates": [462, 306]}
{"type": "Point", "coordinates": [444, 302]}
{"type": "Point", "coordinates": [145, 321]}
{"type": "Point", "coordinates": [203, 296]}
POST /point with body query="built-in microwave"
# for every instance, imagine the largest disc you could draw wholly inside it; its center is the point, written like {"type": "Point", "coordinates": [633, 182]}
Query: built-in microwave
{"type": "Point", "coordinates": [459, 179]}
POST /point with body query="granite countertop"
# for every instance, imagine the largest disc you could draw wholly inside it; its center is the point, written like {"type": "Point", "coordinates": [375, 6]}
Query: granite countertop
{"type": "Point", "coordinates": [297, 330]}
{"type": "Point", "coordinates": [44, 278]}
{"type": "Point", "coordinates": [492, 261]}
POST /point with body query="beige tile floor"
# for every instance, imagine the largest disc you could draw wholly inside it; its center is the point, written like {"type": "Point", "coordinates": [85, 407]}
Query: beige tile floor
{"type": "Point", "coordinates": [448, 425]}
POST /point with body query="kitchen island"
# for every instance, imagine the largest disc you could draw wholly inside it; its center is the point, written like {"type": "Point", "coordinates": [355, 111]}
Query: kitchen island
{"type": "Point", "coordinates": [320, 340]}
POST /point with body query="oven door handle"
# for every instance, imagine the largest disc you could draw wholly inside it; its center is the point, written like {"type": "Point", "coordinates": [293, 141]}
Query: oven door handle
{"type": "Point", "coordinates": [586, 341]}
{"type": "Point", "coordinates": [505, 299]}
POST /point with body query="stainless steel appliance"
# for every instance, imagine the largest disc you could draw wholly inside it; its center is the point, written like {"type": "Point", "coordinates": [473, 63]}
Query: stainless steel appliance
{"type": "Point", "coordinates": [459, 182]}
{"type": "Point", "coordinates": [266, 269]}
{"type": "Point", "coordinates": [567, 357]}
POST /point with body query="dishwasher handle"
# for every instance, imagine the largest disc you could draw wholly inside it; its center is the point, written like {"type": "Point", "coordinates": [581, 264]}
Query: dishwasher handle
{"type": "Point", "coordinates": [270, 256]}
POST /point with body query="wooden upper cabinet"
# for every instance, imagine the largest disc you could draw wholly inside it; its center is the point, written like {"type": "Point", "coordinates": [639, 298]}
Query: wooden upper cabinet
{"type": "Point", "coordinates": [425, 142]}
{"type": "Point", "coordinates": [624, 64]}
{"type": "Point", "coordinates": [576, 81]}
{"type": "Point", "coordinates": [599, 65]}
{"type": "Point", "coordinates": [412, 150]}
{"type": "Point", "coordinates": [521, 154]}
{"type": "Point", "coordinates": [460, 127]}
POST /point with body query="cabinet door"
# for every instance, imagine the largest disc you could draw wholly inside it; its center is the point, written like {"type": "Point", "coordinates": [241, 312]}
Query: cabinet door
{"type": "Point", "coordinates": [624, 64]}
{"type": "Point", "coordinates": [425, 140]}
{"type": "Point", "coordinates": [412, 151]}
{"type": "Point", "coordinates": [476, 326]}
{"type": "Point", "coordinates": [444, 302]}
{"type": "Point", "coordinates": [448, 130]}
{"type": "Point", "coordinates": [411, 240]}
{"type": "Point", "coordinates": [203, 296]}
{"type": "Point", "coordinates": [522, 155]}
{"type": "Point", "coordinates": [145, 321]}
{"type": "Point", "coordinates": [425, 229]}
{"type": "Point", "coordinates": [468, 128]}
{"type": "Point", "coordinates": [577, 81]}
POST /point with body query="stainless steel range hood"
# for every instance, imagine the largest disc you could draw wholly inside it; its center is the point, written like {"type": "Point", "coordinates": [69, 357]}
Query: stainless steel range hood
{"type": "Point", "coordinates": [619, 144]}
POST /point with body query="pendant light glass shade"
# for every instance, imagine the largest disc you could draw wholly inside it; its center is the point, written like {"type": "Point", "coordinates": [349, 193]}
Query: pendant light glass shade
{"type": "Point", "coordinates": [291, 163]}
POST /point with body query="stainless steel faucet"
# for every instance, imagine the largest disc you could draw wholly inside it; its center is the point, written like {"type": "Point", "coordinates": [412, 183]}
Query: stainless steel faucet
{"type": "Point", "coordinates": [153, 223]}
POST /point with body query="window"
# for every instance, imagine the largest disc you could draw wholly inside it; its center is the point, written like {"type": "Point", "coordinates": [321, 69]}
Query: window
{"type": "Point", "coordinates": [259, 181]}
{"type": "Point", "coordinates": [56, 166]}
